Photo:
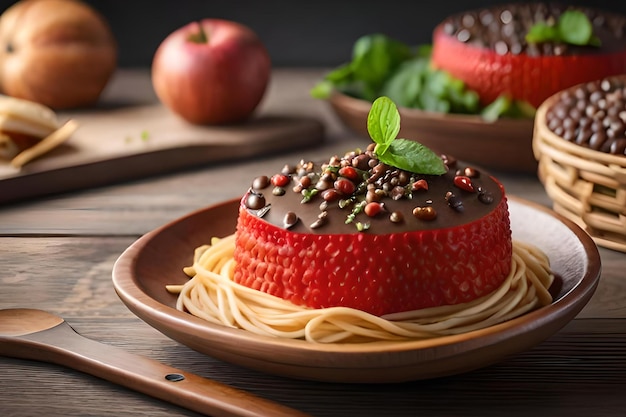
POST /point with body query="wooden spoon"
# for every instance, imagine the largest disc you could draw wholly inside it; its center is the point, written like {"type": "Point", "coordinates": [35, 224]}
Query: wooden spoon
{"type": "Point", "coordinates": [39, 335]}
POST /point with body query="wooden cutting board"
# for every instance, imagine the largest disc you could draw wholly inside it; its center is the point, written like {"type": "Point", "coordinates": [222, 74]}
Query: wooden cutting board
{"type": "Point", "coordinates": [114, 145]}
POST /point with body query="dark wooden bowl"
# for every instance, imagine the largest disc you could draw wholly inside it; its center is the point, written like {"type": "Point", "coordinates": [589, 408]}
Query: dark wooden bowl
{"type": "Point", "coordinates": [504, 145]}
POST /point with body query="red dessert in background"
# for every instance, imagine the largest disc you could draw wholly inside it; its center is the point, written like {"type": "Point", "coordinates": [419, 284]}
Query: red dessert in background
{"type": "Point", "coordinates": [488, 50]}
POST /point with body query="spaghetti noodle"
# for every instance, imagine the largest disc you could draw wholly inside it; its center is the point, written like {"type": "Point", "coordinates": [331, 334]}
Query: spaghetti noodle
{"type": "Point", "coordinates": [211, 294]}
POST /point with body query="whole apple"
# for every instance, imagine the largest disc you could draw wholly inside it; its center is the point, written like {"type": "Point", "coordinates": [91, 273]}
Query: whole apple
{"type": "Point", "coordinates": [211, 72]}
{"type": "Point", "coordinates": [59, 53]}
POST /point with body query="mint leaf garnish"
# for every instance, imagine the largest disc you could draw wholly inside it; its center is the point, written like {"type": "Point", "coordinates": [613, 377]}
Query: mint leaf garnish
{"type": "Point", "coordinates": [503, 105]}
{"type": "Point", "coordinates": [496, 108]}
{"type": "Point", "coordinates": [383, 125]}
{"type": "Point", "coordinates": [573, 27]}
{"type": "Point", "coordinates": [322, 90]}
{"type": "Point", "coordinates": [542, 32]}
{"type": "Point", "coordinates": [414, 157]}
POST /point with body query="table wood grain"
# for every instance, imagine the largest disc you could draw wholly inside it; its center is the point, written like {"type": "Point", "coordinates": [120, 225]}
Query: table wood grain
{"type": "Point", "coordinates": [57, 253]}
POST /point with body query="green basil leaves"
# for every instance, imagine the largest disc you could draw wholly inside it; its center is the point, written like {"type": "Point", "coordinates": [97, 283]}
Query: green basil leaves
{"type": "Point", "coordinates": [383, 125]}
{"type": "Point", "coordinates": [572, 27]}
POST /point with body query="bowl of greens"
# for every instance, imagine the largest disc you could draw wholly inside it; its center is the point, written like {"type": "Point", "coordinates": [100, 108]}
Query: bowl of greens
{"type": "Point", "coordinates": [437, 110]}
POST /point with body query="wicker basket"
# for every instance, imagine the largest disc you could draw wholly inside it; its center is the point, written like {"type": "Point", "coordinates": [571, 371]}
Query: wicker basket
{"type": "Point", "coordinates": [586, 186]}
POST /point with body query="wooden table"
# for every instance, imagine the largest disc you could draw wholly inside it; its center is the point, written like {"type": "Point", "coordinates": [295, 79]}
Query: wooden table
{"type": "Point", "coordinates": [57, 253]}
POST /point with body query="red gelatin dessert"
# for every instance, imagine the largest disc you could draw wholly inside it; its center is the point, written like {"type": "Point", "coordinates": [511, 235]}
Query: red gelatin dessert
{"type": "Point", "coordinates": [356, 232]}
{"type": "Point", "coordinates": [488, 49]}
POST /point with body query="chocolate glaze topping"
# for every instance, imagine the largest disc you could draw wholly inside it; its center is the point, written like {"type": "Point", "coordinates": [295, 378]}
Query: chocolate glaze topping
{"type": "Point", "coordinates": [356, 193]}
{"type": "Point", "coordinates": [503, 28]}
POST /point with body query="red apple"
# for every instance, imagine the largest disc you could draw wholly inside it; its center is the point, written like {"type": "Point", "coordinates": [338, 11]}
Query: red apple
{"type": "Point", "coordinates": [211, 72]}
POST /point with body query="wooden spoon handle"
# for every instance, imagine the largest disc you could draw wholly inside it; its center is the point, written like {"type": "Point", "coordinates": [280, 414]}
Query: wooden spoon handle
{"type": "Point", "coordinates": [63, 346]}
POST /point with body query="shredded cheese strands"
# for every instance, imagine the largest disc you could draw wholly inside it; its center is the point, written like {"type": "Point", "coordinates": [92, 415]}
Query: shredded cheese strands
{"type": "Point", "coordinates": [48, 143]}
{"type": "Point", "coordinates": [211, 295]}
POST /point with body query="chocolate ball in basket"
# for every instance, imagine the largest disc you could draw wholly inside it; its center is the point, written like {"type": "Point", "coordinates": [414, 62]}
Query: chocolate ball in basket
{"type": "Point", "coordinates": [580, 144]}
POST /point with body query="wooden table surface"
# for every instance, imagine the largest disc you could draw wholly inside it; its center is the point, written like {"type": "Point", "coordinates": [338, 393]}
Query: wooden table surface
{"type": "Point", "coordinates": [57, 253]}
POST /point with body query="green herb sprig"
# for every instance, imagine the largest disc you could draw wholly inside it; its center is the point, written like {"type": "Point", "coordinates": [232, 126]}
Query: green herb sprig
{"type": "Point", "coordinates": [383, 66]}
{"type": "Point", "coordinates": [573, 27]}
{"type": "Point", "coordinates": [383, 125]}
{"type": "Point", "coordinates": [374, 57]}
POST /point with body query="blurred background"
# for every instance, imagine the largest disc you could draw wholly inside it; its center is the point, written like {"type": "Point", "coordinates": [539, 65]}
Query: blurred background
{"type": "Point", "coordinates": [317, 33]}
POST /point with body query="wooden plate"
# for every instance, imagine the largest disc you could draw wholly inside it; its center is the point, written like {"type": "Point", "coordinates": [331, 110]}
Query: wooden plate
{"type": "Point", "coordinates": [156, 259]}
{"type": "Point", "coordinates": [504, 145]}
